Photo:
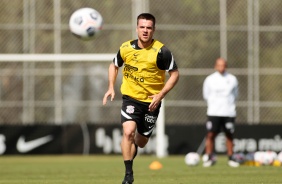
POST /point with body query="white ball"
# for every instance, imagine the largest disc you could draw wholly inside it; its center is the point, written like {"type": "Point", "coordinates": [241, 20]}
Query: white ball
{"type": "Point", "coordinates": [259, 157]}
{"type": "Point", "coordinates": [269, 157]}
{"type": "Point", "coordinates": [192, 159]}
{"type": "Point", "coordinates": [85, 23]}
{"type": "Point", "coordinates": [265, 157]}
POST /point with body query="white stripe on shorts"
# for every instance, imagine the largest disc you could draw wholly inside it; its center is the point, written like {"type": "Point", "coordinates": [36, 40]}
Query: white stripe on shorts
{"type": "Point", "coordinates": [125, 115]}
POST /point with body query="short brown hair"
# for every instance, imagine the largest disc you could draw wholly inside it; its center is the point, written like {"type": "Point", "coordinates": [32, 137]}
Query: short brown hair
{"type": "Point", "coordinates": [147, 16]}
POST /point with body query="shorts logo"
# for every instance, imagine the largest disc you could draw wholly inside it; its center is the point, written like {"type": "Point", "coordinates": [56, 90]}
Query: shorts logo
{"type": "Point", "coordinates": [230, 126]}
{"type": "Point", "coordinates": [150, 119]}
{"type": "Point", "coordinates": [209, 125]}
{"type": "Point", "coordinates": [130, 109]}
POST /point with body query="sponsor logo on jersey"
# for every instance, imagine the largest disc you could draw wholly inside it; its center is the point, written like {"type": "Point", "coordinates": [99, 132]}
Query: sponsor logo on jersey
{"type": "Point", "coordinates": [130, 68]}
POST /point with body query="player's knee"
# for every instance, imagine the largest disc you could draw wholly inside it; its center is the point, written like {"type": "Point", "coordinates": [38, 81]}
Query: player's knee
{"type": "Point", "coordinates": [211, 135]}
{"type": "Point", "coordinates": [129, 128]}
{"type": "Point", "coordinates": [128, 133]}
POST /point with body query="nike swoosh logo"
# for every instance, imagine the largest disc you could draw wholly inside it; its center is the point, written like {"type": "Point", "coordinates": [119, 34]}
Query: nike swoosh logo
{"type": "Point", "coordinates": [26, 146]}
{"type": "Point", "coordinates": [151, 126]}
{"type": "Point", "coordinates": [147, 133]}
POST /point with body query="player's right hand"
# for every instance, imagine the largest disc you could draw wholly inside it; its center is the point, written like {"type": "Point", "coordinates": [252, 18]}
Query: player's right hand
{"type": "Point", "coordinates": [107, 94]}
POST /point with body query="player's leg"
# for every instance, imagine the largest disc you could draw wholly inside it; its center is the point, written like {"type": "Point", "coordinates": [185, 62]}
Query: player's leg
{"type": "Point", "coordinates": [208, 159]}
{"type": "Point", "coordinates": [132, 115]}
{"type": "Point", "coordinates": [134, 150]}
{"type": "Point", "coordinates": [144, 123]}
{"type": "Point", "coordinates": [127, 142]}
{"type": "Point", "coordinates": [128, 148]}
{"type": "Point", "coordinates": [139, 141]}
{"type": "Point", "coordinates": [213, 128]}
{"type": "Point", "coordinates": [229, 130]}
{"type": "Point", "coordinates": [129, 118]}
{"type": "Point", "coordinates": [229, 144]}
{"type": "Point", "coordinates": [210, 138]}
{"type": "Point", "coordinates": [133, 146]}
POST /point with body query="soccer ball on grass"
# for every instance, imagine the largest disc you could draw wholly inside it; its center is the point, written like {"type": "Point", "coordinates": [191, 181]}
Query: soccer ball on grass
{"type": "Point", "coordinates": [192, 159]}
{"type": "Point", "coordinates": [265, 157]}
{"type": "Point", "coordinates": [85, 23]}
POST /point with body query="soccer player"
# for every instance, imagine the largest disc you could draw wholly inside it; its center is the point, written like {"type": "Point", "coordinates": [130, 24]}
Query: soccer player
{"type": "Point", "coordinates": [145, 61]}
{"type": "Point", "coordinates": [220, 90]}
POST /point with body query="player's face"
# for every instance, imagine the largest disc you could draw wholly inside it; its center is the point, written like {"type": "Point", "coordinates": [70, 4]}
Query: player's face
{"type": "Point", "coordinates": [220, 65]}
{"type": "Point", "coordinates": [145, 30]}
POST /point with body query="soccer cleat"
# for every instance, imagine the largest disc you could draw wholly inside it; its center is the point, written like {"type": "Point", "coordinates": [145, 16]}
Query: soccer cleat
{"type": "Point", "coordinates": [233, 163]}
{"type": "Point", "coordinates": [128, 178]}
{"type": "Point", "coordinates": [208, 163]}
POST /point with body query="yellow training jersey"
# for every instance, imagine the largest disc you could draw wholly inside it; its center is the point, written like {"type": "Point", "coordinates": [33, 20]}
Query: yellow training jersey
{"type": "Point", "coordinates": [141, 76]}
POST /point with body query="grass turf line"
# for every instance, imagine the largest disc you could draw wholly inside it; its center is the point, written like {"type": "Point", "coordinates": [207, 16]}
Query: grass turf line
{"type": "Point", "coordinates": [75, 169]}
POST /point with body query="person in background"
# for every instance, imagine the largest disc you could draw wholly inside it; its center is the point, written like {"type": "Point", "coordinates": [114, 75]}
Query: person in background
{"type": "Point", "coordinates": [220, 91]}
{"type": "Point", "coordinates": [145, 62]}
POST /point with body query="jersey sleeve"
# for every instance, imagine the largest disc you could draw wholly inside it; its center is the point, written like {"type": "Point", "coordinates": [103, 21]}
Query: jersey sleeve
{"type": "Point", "coordinates": [165, 60]}
{"type": "Point", "coordinates": [206, 89]}
{"type": "Point", "coordinates": [118, 61]}
{"type": "Point", "coordinates": [236, 88]}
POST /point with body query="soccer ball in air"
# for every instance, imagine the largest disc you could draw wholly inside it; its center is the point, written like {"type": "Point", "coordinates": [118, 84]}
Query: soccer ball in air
{"type": "Point", "coordinates": [192, 159]}
{"type": "Point", "coordinates": [85, 23]}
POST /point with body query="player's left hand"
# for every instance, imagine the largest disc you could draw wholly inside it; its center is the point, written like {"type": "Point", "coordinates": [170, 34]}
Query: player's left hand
{"type": "Point", "coordinates": [155, 102]}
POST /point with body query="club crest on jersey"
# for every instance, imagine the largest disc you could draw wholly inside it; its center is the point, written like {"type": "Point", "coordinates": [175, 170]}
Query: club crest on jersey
{"type": "Point", "coordinates": [130, 109]}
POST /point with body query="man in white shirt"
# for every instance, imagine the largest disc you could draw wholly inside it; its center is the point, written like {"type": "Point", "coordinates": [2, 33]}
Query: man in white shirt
{"type": "Point", "coordinates": [220, 90]}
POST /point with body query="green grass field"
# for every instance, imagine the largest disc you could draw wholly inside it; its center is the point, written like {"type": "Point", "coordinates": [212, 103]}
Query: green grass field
{"type": "Point", "coordinates": [109, 170]}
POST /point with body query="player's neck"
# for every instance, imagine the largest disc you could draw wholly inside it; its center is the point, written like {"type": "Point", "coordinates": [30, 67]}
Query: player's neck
{"type": "Point", "coordinates": [222, 72]}
{"type": "Point", "coordinates": [143, 45]}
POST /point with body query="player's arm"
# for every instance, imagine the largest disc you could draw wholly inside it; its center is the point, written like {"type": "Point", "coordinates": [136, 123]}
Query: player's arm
{"type": "Point", "coordinates": [236, 90]}
{"type": "Point", "coordinates": [205, 90]}
{"type": "Point", "coordinates": [171, 82]}
{"type": "Point", "coordinates": [165, 62]}
{"type": "Point", "coordinates": [113, 72]}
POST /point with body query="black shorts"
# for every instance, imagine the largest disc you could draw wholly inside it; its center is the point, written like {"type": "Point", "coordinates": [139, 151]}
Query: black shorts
{"type": "Point", "coordinates": [217, 124]}
{"type": "Point", "coordinates": [133, 110]}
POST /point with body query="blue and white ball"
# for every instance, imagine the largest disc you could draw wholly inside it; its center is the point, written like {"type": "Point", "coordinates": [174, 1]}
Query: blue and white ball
{"type": "Point", "coordinates": [85, 23]}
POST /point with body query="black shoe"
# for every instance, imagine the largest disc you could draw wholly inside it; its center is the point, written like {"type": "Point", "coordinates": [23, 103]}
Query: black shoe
{"type": "Point", "coordinates": [128, 178]}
